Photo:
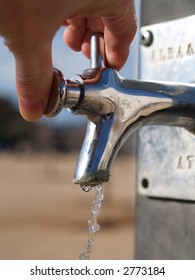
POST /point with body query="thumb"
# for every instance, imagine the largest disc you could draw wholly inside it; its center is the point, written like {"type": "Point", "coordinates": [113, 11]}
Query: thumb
{"type": "Point", "coordinates": [34, 75]}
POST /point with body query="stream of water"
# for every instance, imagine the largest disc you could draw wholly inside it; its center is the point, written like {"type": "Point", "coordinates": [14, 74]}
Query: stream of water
{"type": "Point", "coordinates": [93, 225]}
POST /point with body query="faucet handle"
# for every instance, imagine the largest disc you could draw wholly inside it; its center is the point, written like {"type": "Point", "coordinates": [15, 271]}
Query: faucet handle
{"type": "Point", "coordinates": [97, 51]}
{"type": "Point", "coordinates": [58, 93]}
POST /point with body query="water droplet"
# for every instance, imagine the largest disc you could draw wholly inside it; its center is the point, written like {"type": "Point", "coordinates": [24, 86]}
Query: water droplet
{"type": "Point", "coordinates": [86, 188]}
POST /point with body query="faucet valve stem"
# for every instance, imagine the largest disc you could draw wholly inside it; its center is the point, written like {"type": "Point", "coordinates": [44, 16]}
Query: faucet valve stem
{"type": "Point", "coordinates": [95, 54]}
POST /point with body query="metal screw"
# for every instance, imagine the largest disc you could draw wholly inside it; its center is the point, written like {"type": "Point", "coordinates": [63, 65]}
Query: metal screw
{"type": "Point", "coordinates": [147, 38]}
{"type": "Point", "coordinates": [145, 183]}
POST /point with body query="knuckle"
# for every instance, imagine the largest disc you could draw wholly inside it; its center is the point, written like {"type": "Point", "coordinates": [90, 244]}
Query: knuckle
{"type": "Point", "coordinates": [26, 80]}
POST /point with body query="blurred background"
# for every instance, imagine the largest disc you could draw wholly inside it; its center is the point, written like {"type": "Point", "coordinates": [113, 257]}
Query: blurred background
{"type": "Point", "coordinates": [43, 215]}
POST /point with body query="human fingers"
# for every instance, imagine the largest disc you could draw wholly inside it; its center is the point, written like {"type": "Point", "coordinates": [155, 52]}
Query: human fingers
{"type": "Point", "coordinates": [74, 32]}
{"type": "Point", "coordinates": [118, 29]}
{"type": "Point", "coordinates": [28, 34]}
{"type": "Point", "coordinates": [79, 30]}
{"type": "Point", "coordinates": [34, 75]}
{"type": "Point", "coordinates": [118, 35]}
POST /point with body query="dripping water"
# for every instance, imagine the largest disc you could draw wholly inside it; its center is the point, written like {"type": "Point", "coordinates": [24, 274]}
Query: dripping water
{"type": "Point", "coordinates": [93, 225]}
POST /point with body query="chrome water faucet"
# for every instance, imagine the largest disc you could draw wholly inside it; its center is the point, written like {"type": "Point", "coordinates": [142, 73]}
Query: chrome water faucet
{"type": "Point", "coordinates": [115, 108]}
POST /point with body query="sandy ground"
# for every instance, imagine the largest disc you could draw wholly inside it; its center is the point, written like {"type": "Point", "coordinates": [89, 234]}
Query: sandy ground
{"type": "Point", "coordinates": [43, 215]}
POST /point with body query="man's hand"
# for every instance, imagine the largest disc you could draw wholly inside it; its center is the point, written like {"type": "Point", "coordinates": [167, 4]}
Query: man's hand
{"type": "Point", "coordinates": [28, 28]}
